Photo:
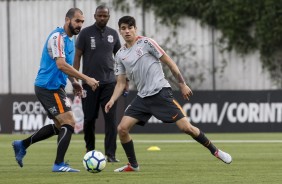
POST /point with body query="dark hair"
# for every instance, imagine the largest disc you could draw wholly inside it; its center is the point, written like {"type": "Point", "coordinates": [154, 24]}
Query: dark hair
{"type": "Point", "coordinates": [127, 20]}
{"type": "Point", "coordinates": [101, 7]}
{"type": "Point", "coordinates": [72, 11]}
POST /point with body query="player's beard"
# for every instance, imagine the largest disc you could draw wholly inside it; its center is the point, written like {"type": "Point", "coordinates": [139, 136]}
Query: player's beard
{"type": "Point", "coordinates": [73, 30]}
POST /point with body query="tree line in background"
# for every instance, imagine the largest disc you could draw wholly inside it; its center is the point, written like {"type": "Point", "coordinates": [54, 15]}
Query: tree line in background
{"type": "Point", "coordinates": [246, 26]}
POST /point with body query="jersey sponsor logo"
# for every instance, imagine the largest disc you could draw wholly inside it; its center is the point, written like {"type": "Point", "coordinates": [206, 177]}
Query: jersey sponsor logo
{"type": "Point", "coordinates": [92, 43]}
{"type": "Point", "coordinates": [110, 38]}
{"type": "Point", "coordinates": [55, 46]}
{"type": "Point", "coordinates": [151, 45]}
{"type": "Point", "coordinates": [139, 41]}
{"type": "Point", "coordinates": [63, 50]}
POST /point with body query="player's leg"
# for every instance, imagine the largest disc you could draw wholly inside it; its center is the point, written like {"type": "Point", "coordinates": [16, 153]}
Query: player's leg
{"type": "Point", "coordinates": [64, 137]}
{"type": "Point", "coordinates": [110, 123]}
{"type": "Point", "coordinates": [185, 126]}
{"type": "Point", "coordinates": [136, 113]}
{"type": "Point", "coordinates": [59, 107]}
{"type": "Point", "coordinates": [171, 111]}
{"type": "Point", "coordinates": [43, 133]}
{"type": "Point", "coordinates": [126, 141]}
{"type": "Point", "coordinates": [20, 146]}
{"type": "Point", "coordinates": [90, 107]}
{"type": "Point", "coordinates": [67, 123]}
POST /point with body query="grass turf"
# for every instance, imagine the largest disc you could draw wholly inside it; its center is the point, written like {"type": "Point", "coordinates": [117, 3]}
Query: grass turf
{"type": "Point", "coordinates": [178, 161]}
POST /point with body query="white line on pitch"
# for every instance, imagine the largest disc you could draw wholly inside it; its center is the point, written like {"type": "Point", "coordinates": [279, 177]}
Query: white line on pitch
{"type": "Point", "coordinates": [182, 141]}
{"type": "Point", "coordinates": [215, 141]}
{"type": "Point", "coordinates": [192, 141]}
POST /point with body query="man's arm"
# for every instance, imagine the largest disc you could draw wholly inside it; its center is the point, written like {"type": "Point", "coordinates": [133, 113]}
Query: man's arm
{"type": "Point", "coordinates": [121, 83]}
{"type": "Point", "coordinates": [69, 70]}
{"type": "Point", "coordinates": [186, 91]}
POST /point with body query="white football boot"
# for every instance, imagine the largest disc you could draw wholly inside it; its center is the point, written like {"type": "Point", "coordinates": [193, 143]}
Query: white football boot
{"type": "Point", "coordinates": [221, 155]}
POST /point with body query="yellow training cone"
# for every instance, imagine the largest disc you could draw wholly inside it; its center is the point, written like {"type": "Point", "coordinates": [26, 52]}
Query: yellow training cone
{"type": "Point", "coordinates": [154, 148]}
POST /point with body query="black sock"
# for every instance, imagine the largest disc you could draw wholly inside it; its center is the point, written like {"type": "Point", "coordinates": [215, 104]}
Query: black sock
{"type": "Point", "coordinates": [205, 142]}
{"type": "Point", "coordinates": [130, 153]}
{"type": "Point", "coordinates": [43, 133]}
{"type": "Point", "coordinates": [64, 139]}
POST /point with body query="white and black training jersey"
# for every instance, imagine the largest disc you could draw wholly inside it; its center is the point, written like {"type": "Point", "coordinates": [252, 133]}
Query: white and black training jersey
{"type": "Point", "coordinates": [141, 65]}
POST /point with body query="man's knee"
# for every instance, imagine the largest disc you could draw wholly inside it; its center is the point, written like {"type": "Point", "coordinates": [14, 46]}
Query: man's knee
{"type": "Point", "coordinates": [66, 118]}
{"type": "Point", "coordinates": [186, 127]}
{"type": "Point", "coordinates": [122, 130]}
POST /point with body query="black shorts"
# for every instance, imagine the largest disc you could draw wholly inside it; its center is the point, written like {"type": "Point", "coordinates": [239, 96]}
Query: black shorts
{"type": "Point", "coordinates": [55, 102]}
{"type": "Point", "coordinates": [161, 105]}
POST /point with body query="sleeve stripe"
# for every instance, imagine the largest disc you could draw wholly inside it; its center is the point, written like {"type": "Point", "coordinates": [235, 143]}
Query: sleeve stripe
{"type": "Point", "coordinates": [157, 46]}
{"type": "Point", "coordinates": [59, 45]}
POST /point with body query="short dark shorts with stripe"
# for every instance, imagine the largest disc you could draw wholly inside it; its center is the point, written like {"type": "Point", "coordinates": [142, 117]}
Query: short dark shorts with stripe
{"type": "Point", "coordinates": [161, 105]}
{"type": "Point", "coordinates": [55, 102]}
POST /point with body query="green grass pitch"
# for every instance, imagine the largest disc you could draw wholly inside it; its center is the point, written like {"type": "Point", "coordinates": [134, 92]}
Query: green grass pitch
{"type": "Point", "coordinates": [257, 158]}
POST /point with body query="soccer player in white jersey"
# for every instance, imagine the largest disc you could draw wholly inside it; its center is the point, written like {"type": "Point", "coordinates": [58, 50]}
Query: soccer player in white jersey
{"type": "Point", "coordinates": [140, 60]}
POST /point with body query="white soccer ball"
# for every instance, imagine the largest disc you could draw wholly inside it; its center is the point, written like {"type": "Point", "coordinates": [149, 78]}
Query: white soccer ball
{"type": "Point", "coordinates": [94, 161]}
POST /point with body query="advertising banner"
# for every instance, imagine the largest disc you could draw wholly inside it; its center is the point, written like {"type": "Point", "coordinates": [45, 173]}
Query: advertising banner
{"type": "Point", "coordinates": [211, 111]}
{"type": "Point", "coordinates": [24, 114]}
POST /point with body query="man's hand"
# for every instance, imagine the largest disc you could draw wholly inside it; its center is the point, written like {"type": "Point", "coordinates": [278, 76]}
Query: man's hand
{"type": "Point", "coordinates": [186, 91]}
{"type": "Point", "coordinates": [77, 89]}
{"type": "Point", "coordinates": [109, 105]}
{"type": "Point", "coordinates": [92, 83]}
